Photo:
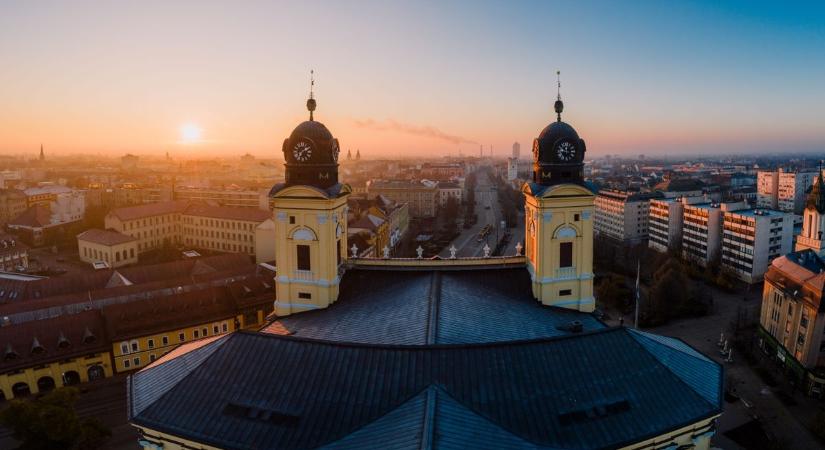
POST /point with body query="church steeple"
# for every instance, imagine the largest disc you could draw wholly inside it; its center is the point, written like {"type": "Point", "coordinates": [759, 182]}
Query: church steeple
{"type": "Point", "coordinates": [310, 218]}
{"type": "Point", "coordinates": [813, 218]}
{"type": "Point", "coordinates": [42, 155]}
{"type": "Point", "coordinates": [558, 220]}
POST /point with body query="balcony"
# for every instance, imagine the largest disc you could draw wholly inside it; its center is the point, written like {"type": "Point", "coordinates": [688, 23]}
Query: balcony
{"type": "Point", "coordinates": [303, 275]}
{"type": "Point", "coordinates": [566, 273]}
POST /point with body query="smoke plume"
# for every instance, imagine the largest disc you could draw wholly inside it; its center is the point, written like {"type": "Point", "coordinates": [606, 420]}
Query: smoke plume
{"type": "Point", "coordinates": [415, 130]}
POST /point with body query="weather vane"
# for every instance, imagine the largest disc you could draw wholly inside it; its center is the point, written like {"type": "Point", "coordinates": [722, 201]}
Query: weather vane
{"type": "Point", "coordinates": [558, 84]}
{"type": "Point", "coordinates": [558, 106]}
{"type": "Point", "coordinates": [311, 104]}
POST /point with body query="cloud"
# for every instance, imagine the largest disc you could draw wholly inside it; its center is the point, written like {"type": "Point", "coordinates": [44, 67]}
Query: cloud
{"type": "Point", "coordinates": [415, 130]}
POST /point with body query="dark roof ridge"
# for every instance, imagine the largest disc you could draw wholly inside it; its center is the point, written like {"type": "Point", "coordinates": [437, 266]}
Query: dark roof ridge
{"type": "Point", "coordinates": [433, 300]}
{"type": "Point", "coordinates": [718, 407]}
{"type": "Point", "coordinates": [431, 346]}
{"type": "Point", "coordinates": [192, 370]}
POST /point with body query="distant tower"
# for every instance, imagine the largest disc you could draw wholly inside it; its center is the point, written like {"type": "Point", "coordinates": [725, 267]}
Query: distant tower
{"type": "Point", "coordinates": [349, 155]}
{"type": "Point", "coordinates": [358, 155]}
{"type": "Point", "coordinates": [558, 215]}
{"type": "Point", "coordinates": [516, 150]}
{"type": "Point", "coordinates": [310, 219]}
{"type": "Point", "coordinates": [42, 155]}
{"type": "Point", "coordinates": [480, 151]}
{"type": "Point", "coordinates": [813, 219]}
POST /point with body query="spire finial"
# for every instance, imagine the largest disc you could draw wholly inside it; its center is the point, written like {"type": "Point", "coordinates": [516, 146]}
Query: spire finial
{"type": "Point", "coordinates": [558, 106]}
{"type": "Point", "coordinates": [311, 101]}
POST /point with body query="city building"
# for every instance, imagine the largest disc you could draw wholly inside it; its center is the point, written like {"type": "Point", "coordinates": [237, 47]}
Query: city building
{"type": "Point", "coordinates": [449, 190]}
{"type": "Point", "coordinates": [236, 197]}
{"type": "Point", "coordinates": [14, 255]}
{"type": "Point", "coordinates": [64, 204]}
{"type": "Point", "coordinates": [142, 331]}
{"type": "Point", "coordinates": [35, 227]}
{"type": "Point", "coordinates": [664, 226]}
{"type": "Point", "coordinates": [113, 248]}
{"type": "Point", "coordinates": [69, 330]}
{"type": "Point", "coordinates": [198, 225]}
{"type": "Point", "coordinates": [622, 215]}
{"type": "Point", "coordinates": [371, 351]}
{"type": "Point", "coordinates": [421, 196]}
{"type": "Point", "coordinates": [792, 320]}
{"type": "Point", "coordinates": [12, 204]}
{"type": "Point", "coordinates": [752, 238]}
{"type": "Point", "coordinates": [129, 162]}
{"type": "Point", "coordinates": [39, 356]}
{"type": "Point", "coordinates": [701, 232]}
{"type": "Point", "coordinates": [783, 190]}
{"type": "Point", "coordinates": [681, 187]}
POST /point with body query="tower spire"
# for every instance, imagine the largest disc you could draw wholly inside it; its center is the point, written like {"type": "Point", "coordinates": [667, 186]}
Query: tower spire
{"type": "Point", "coordinates": [311, 104]}
{"type": "Point", "coordinates": [558, 106]}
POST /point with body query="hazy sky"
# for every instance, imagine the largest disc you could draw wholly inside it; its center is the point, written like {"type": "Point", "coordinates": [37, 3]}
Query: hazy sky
{"type": "Point", "coordinates": [411, 78]}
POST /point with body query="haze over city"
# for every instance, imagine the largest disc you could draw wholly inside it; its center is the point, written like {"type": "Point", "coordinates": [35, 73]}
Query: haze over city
{"type": "Point", "coordinates": [392, 80]}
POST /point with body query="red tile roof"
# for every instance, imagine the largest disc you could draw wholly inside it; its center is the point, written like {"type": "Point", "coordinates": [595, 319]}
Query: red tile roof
{"type": "Point", "coordinates": [149, 210]}
{"type": "Point", "coordinates": [105, 237]}
{"type": "Point", "coordinates": [37, 216]}
{"type": "Point", "coordinates": [228, 212]}
{"type": "Point", "coordinates": [61, 337]}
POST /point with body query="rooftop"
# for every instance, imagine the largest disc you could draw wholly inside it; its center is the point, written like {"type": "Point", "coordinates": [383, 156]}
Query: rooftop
{"type": "Point", "coordinates": [434, 307]}
{"type": "Point", "coordinates": [605, 388]}
{"type": "Point", "coordinates": [104, 237]}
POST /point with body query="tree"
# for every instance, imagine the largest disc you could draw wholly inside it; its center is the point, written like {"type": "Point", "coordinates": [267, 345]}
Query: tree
{"type": "Point", "coordinates": [613, 292]}
{"type": "Point", "coordinates": [51, 422]}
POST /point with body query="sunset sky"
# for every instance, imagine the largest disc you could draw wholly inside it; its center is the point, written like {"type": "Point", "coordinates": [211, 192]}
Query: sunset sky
{"type": "Point", "coordinates": [410, 78]}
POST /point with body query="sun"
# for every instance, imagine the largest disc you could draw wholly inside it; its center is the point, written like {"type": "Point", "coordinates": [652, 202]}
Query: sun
{"type": "Point", "coordinates": [190, 133]}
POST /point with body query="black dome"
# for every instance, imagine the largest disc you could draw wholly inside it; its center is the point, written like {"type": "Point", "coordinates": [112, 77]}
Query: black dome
{"type": "Point", "coordinates": [311, 155]}
{"type": "Point", "coordinates": [557, 130]}
{"type": "Point", "coordinates": [311, 129]}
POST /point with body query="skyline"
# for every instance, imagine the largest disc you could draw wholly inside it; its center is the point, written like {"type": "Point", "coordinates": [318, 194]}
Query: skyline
{"type": "Point", "coordinates": [410, 79]}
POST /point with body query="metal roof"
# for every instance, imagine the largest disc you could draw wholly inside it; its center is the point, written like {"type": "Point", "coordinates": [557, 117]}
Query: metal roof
{"type": "Point", "coordinates": [607, 388]}
{"type": "Point", "coordinates": [435, 307]}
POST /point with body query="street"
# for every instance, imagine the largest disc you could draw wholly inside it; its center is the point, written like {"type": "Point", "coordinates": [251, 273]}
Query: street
{"type": "Point", "coordinates": [489, 213]}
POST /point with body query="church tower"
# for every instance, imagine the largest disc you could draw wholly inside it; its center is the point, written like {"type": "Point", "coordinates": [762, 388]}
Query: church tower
{"type": "Point", "coordinates": [310, 220]}
{"type": "Point", "coordinates": [559, 219]}
{"type": "Point", "coordinates": [813, 219]}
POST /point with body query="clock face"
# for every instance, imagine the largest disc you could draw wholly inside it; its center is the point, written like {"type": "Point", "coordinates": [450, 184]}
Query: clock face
{"type": "Point", "coordinates": [335, 150]}
{"type": "Point", "coordinates": [566, 151]}
{"type": "Point", "coordinates": [302, 151]}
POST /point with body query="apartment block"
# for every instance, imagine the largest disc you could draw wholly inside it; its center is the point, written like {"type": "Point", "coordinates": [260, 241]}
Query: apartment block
{"type": "Point", "coordinates": [422, 196]}
{"type": "Point", "coordinates": [781, 190]}
{"type": "Point", "coordinates": [664, 228]}
{"type": "Point", "coordinates": [622, 215]}
{"type": "Point", "coordinates": [701, 231]}
{"type": "Point", "coordinates": [752, 238]}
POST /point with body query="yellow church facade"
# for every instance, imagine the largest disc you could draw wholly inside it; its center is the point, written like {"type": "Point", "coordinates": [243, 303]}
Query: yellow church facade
{"type": "Point", "coordinates": [559, 244]}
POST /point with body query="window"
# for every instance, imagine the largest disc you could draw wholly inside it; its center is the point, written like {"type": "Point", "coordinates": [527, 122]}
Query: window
{"type": "Point", "coordinates": [152, 357]}
{"type": "Point", "coordinates": [151, 343]}
{"type": "Point", "coordinates": [126, 363]}
{"type": "Point", "coordinates": [204, 331]}
{"type": "Point", "coordinates": [165, 340]}
{"type": "Point", "coordinates": [181, 337]}
{"type": "Point", "coordinates": [124, 348]}
{"type": "Point", "coordinates": [215, 329]}
{"type": "Point", "coordinates": [303, 257]}
{"type": "Point", "coordinates": [224, 327]}
{"type": "Point", "coordinates": [135, 346]}
{"type": "Point", "coordinates": [195, 334]}
{"type": "Point", "coordinates": [292, 220]}
{"type": "Point", "coordinates": [566, 254]}
{"type": "Point", "coordinates": [564, 292]}
{"type": "Point", "coordinates": [305, 295]}
{"type": "Point", "coordinates": [575, 217]}
{"type": "Point", "coordinates": [136, 362]}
